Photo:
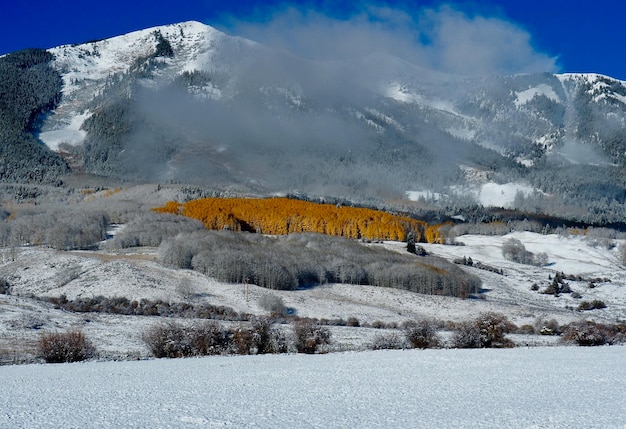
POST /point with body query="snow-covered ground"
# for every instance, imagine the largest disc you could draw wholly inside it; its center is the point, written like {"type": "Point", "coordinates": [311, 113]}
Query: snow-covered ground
{"type": "Point", "coordinates": [555, 387]}
{"type": "Point", "coordinates": [137, 275]}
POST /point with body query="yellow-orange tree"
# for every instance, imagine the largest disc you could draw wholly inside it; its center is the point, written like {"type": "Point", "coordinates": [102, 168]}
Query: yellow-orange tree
{"type": "Point", "coordinates": [283, 216]}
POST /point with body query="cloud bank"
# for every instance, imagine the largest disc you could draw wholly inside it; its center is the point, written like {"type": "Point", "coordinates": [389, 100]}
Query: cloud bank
{"type": "Point", "coordinates": [444, 39]}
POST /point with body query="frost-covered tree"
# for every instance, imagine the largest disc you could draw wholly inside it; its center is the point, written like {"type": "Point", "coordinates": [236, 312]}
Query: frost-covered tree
{"type": "Point", "coordinates": [514, 250]}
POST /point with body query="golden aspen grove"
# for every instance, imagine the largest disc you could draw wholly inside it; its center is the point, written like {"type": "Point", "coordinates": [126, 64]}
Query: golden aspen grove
{"type": "Point", "coordinates": [278, 216]}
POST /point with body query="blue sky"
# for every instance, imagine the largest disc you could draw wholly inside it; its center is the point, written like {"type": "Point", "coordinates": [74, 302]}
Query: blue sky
{"type": "Point", "coordinates": [477, 36]}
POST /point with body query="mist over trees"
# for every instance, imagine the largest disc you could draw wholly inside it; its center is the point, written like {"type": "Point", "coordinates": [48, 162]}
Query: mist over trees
{"type": "Point", "coordinates": [276, 114]}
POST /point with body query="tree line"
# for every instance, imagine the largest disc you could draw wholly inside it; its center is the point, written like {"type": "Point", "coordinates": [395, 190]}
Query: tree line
{"type": "Point", "coordinates": [294, 261]}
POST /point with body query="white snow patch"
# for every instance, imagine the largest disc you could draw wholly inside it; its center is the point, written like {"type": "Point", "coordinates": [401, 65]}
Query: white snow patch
{"type": "Point", "coordinates": [462, 133]}
{"type": "Point", "coordinates": [496, 195]}
{"type": "Point", "coordinates": [525, 162]}
{"type": "Point", "coordinates": [69, 133]}
{"type": "Point", "coordinates": [524, 97]}
{"type": "Point", "coordinates": [424, 195]}
{"type": "Point", "coordinates": [401, 93]}
{"type": "Point", "coordinates": [619, 98]}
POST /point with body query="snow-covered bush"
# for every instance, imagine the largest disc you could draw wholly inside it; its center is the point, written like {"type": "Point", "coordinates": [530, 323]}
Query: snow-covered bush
{"type": "Point", "coordinates": [547, 327]}
{"type": "Point", "coordinates": [378, 324]}
{"type": "Point", "coordinates": [585, 333]}
{"type": "Point", "coordinates": [593, 305]}
{"type": "Point", "coordinates": [466, 336]}
{"type": "Point", "coordinates": [70, 346]}
{"type": "Point", "coordinates": [526, 330]}
{"type": "Point", "coordinates": [310, 337]}
{"type": "Point", "coordinates": [174, 340]}
{"type": "Point", "coordinates": [145, 307]}
{"type": "Point", "coordinates": [514, 250]}
{"type": "Point", "coordinates": [274, 304]}
{"type": "Point", "coordinates": [5, 287]}
{"type": "Point", "coordinates": [422, 335]}
{"type": "Point", "coordinates": [493, 327]}
{"type": "Point", "coordinates": [487, 331]}
{"type": "Point", "coordinates": [353, 321]}
{"type": "Point", "coordinates": [389, 341]}
{"type": "Point", "coordinates": [259, 338]}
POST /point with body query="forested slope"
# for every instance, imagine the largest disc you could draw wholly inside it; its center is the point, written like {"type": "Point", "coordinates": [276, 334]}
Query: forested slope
{"type": "Point", "coordinates": [29, 88]}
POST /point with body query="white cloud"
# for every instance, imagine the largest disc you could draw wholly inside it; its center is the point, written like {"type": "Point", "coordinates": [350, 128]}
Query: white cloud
{"type": "Point", "coordinates": [443, 39]}
{"type": "Point", "coordinates": [481, 45]}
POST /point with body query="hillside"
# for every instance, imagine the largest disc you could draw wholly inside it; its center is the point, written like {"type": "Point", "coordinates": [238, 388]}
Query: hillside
{"type": "Point", "coordinates": [186, 103]}
{"type": "Point", "coordinates": [120, 271]}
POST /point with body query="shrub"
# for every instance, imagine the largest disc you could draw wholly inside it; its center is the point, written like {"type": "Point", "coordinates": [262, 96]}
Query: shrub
{"type": "Point", "coordinates": [387, 342]}
{"type": "Point", "coordinates": [379, 324]}
{"type": "Point", "coordinates": [515, 251]}
{"type": "Point", "coordinates": [353, 321]}
{"type": "Point", "coordinates": [209, 338]}
{"type": "Point", "coordinates": [597, 304]}
{"type": "Point", "coordinates": [166, 340]}
{"type": "Point", "coordinates": [422, 335]}
{"type": "Point", "coordinates": [466, 336]}
{"type": "Point", "coordinates": [70, 346]}
{"type": "Point", "coordinates": [173, 340]}
{"type": "Point", "coordinates": [121, 305]}
{"type": "Point", "coordinates": [243, 341]}
{"type": "Point", "coordinates": [487, 331]}
{"type": "Point", "coordinates": [550, 327]}
{"type": "Point", "coordinates": [274, 304]}
{"type": "Point", "coordinates": [259, 338]}
{"type": "Point", "coordinates": [5, 287]}
{"type": "Point", "coordinates": [585, 333]}
{"type": "Point", "coordinates": [492, 327]}
{"type": "Point", "coordinates": [593, 305]}
{"type": "Point", "coordinates": [310, 337]}
{"type": "Point", "coordinates": [526, 330]}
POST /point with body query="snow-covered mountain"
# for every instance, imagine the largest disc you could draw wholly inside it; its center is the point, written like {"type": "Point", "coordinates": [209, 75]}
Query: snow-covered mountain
{"type": "Point", "coordinates": [186, 102]}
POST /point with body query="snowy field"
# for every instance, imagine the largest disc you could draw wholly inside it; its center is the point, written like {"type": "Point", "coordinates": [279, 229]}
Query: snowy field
{"type": "Point", "coordinates": [546, 387]}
